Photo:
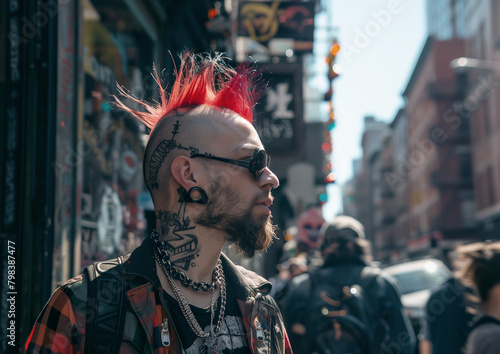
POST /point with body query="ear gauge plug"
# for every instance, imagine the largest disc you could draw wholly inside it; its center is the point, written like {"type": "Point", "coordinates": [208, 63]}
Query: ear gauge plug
{"type": "Point", "coordinates": [194, 195]}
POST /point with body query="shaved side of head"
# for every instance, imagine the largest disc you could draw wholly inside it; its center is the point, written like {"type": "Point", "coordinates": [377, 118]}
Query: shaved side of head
{"type": "Point", "coordinates": [185, 131]}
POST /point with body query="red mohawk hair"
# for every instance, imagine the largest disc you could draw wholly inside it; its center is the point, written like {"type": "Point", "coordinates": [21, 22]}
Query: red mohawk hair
{"type": "Point", "coordinates": [201, 80]}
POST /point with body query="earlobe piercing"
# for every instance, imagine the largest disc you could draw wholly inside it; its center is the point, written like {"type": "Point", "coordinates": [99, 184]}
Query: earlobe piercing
{"type": "Point", "coordinates": [194, 195]}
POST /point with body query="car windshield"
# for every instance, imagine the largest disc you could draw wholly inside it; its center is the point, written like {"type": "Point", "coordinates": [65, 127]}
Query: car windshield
{"type": "Point", "coordinates": [421, 279]}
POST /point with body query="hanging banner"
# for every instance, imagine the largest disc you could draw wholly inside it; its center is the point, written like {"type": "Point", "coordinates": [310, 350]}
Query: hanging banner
{"type": "Point", "coordinates": [278, 118]}
{"type": "Point", "coordinates": [265, 20]}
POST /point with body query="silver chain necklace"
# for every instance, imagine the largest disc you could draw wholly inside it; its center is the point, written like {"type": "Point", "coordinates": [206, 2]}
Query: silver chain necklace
{"type": "Point", "coordinates": [211, 337]}
{"type": "Point", "coordinates": [177, 274]}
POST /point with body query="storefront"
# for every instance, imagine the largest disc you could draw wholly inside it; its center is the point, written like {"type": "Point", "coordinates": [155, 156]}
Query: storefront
{"type": "Point", "coordinates": [116, 47]}
{"type": "Point", "coordinates": [71, 164]}
{"type": "Point", "coordinates": [71, 179]}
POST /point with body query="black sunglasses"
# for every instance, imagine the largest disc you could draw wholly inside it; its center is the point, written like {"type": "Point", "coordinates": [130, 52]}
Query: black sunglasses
{"type": "Point", "coordinates": [256, 165]}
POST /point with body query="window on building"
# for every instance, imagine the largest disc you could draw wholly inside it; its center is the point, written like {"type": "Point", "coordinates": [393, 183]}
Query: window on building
{"type": "Point", "coordinates": [484, 190]}
{"type": "Point", "coordinates": [486, 116]}
{"type": "Point", "coordinates": [467, 208]}
{"type": "Point", "coordinates": [478, 193]}
{"type": "Point", "coordinates": [490, 188]}
{"type": "Point", "coordinates": [464, 127]}
{"type": "Point", "coordinates": [465, 166]}
{"type": "Point", "coordinates": [480, 129]}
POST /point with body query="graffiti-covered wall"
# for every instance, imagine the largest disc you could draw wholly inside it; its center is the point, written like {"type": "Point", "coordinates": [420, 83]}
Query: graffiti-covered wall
{"type": "Point", "coordinates": [115, 50]}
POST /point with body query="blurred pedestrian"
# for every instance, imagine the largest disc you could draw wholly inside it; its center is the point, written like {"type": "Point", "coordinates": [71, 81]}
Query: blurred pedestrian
{"type": "Point", "coordinates": [447, 315]}
{"type": "Point", "coordinates": [309, 223]}
{"type": "Point", "coordinates": [209, 178]}
{"type": "Point", "coordinates": [288, 270]}
{"type": "Point", "coordinates": [447, 319]}
{"type": "Point", "coordinates": [347, 305]}
{"type": "Point", "coordinates": [483, 270]}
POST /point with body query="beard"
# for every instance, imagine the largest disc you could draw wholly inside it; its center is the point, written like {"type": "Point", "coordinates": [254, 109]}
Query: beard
{"type": "Point", "coordinates": [225, 212]}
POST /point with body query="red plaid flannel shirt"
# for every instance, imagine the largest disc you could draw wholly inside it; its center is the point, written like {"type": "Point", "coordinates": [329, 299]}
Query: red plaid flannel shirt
{"type": "Point", "coordinates": [60, 327]}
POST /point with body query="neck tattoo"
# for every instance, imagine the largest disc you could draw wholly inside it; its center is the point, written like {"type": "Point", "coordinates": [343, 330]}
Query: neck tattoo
{"type": "Point", "coordinates": [164, 260]}
{"type": "Point", "coordinates": [211, 338]}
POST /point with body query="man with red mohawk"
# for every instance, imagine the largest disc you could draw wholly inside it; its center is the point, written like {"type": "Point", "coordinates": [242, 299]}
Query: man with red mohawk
{"type": "Point", "coordinates": [210, 182]}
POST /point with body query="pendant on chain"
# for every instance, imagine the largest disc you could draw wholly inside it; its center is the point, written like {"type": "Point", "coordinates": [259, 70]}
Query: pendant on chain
{"type": "Point", "coordinates": [211, 342]}
{"type": "Point", "coordinates": [210, 346]}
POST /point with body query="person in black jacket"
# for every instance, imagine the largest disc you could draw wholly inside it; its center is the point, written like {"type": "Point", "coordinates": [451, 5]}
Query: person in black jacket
{"type": "Point", "coordinates": [346, 305]}
{"type": "Point", "coordinates": [483, 272]}
{"type": "Point", "coordinates": [448, 314]}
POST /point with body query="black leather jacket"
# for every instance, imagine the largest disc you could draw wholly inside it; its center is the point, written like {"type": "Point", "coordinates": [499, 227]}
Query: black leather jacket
{"type": "Point", "coordinates": [381, 292]}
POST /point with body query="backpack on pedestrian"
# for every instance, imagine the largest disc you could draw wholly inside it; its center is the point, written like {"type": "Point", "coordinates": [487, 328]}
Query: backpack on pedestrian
{"type": "Point", "coordinates": [340, 317]}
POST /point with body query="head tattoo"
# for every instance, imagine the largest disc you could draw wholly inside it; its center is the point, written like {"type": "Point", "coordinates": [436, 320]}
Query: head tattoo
{"type": "Point", "coordinates": [201, 80]}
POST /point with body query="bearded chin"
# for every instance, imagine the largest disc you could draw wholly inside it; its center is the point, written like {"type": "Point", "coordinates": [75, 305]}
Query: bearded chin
{"type": "Point", "coordinates": [249, 235]}
{"type": "Point", "coordinates": [245, 231]}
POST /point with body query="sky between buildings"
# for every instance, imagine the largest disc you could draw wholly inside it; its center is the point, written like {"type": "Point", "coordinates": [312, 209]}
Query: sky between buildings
{"type": "Point", "coordinates": [380, 44]}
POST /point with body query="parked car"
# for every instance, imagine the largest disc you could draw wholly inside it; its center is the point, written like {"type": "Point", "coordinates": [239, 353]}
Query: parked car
{"type": "Point", "coordinates": [416, 280]}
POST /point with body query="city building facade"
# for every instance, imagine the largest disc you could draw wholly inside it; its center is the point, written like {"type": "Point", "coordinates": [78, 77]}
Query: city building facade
{"type": "Point", "coordinates": [397, 181]}
{"type": "Point", "coordinates": [444, 179]}
{"type": "Point", "coordinates": [439, 159]}
{"type": "Point", "coordinates": [371, 143]}
{"type": "Point", "coordinates": [482, 105]}
{"type": "Point", "coordinates": [384, 212]}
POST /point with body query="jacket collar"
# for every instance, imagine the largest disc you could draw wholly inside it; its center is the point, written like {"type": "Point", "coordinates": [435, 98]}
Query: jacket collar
{"type": "Point", "coordinates": [245, 283]}
{"type": "Point", "coordinates": [141, 263]}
